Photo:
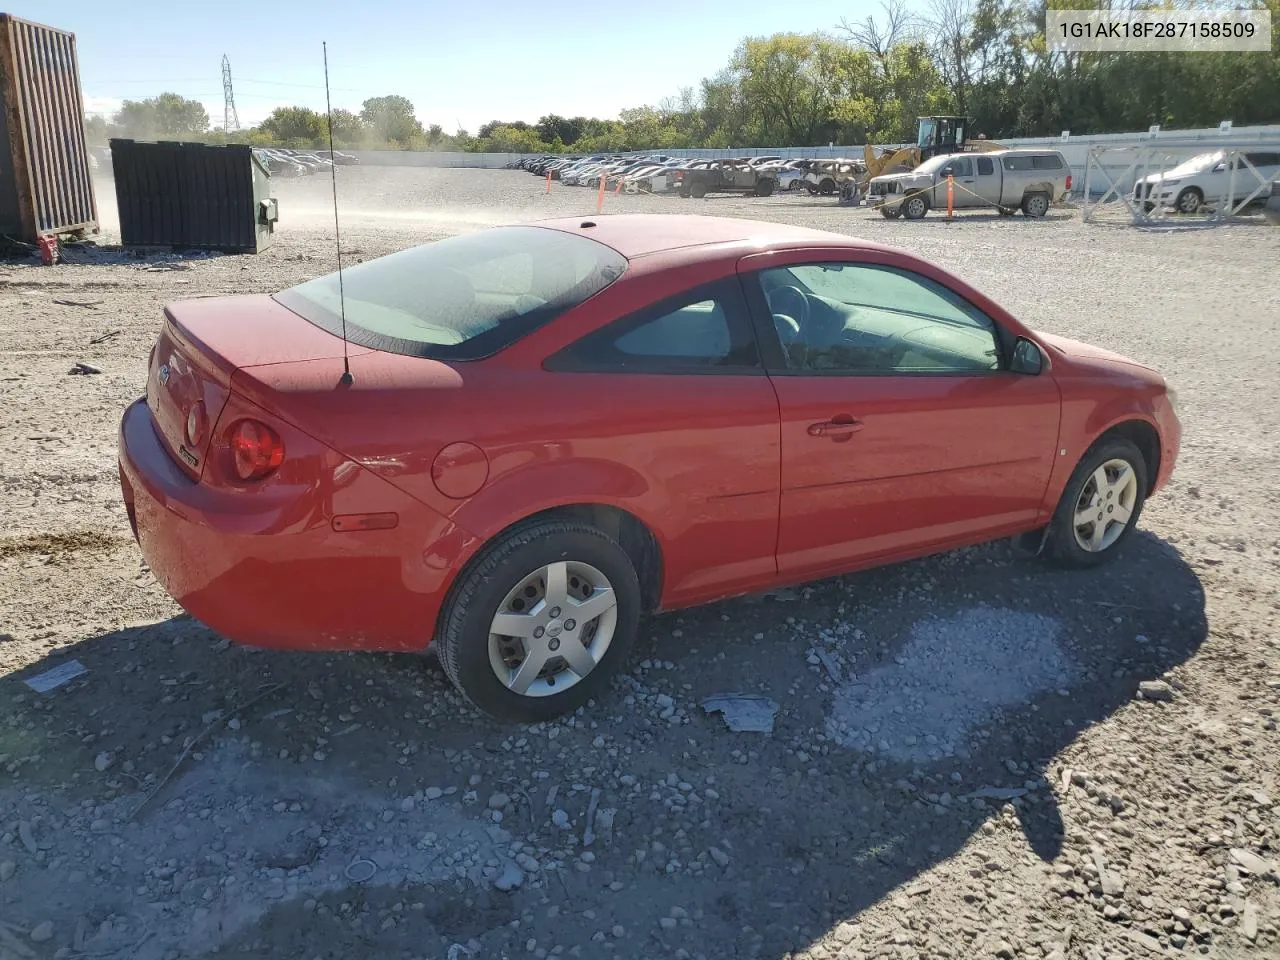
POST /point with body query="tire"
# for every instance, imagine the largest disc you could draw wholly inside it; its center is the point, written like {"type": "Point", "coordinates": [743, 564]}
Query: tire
{"type": "Point", "coordinates": [796, 186]}
{"type": "Point", "coordinates": [764, 188]}
{"type": "Point", "coordinates": [1035, 205]}
{"type": "Point", "coordinates": [891, 213]}
{"type": "Point", "coordinates": [915, 206]}
{"type": "Point", "coordinates": [698, 190]}
{"type": "Point", "coordinates": [685, 192]}
{"type": "Point", "coordinates": [827, 187]}
{"type": "Point", "coordinates": [1076, 546]}
{"type": "Point", "coordinates": [1189, 200]}
{"type": "Point", "coordinates": [499, 581]}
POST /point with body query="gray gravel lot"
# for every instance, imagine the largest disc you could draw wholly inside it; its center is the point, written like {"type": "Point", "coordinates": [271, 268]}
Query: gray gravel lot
{"type": "Point", "coordinates": [961, 766]}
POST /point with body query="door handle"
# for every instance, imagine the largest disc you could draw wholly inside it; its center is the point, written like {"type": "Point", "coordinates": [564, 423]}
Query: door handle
{"type": "Point", "coordinates": [839, 427]}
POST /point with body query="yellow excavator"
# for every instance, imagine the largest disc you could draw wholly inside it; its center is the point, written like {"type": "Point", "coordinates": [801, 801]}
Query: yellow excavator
{"type": "Point", "coordinates": [934, 135]}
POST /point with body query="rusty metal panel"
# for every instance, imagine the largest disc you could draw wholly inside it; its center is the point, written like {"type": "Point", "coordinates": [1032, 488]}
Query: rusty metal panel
{"type": "Point", "coordinates": [46, 182]}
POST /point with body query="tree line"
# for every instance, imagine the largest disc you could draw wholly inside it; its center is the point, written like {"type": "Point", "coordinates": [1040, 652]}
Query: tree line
{"type": "Point", "coordinates": [861, 82]}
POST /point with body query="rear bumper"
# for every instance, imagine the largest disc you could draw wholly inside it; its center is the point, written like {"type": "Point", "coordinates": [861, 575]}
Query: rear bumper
{"type": "Point", "coordinates": [265, 567]}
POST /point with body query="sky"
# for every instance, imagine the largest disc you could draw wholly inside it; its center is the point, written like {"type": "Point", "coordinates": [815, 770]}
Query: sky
{"type": "Point", "coordinates": [460, 63]}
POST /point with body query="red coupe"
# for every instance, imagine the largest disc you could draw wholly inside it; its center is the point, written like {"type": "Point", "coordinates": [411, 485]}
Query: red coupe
{"type": "Point", "coordinates": [550, 429]}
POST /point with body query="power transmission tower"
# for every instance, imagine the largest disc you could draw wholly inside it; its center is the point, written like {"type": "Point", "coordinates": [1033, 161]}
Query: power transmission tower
{"type": "Point", "coordinates": [228, 98]}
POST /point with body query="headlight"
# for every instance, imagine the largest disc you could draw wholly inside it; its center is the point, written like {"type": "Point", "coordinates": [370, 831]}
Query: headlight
{"type": "Point", "coordinates": [1169, 183]}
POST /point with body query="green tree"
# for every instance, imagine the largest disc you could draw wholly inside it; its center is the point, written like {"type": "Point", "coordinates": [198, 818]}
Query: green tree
{"type": "Point", "coordinates": [348, 129]}
{"type": "Point", "coordinates": [167, 115]}
{"type": "Point", "coordinates": [390, 119]}
{"type": "Point", "coordinates": [95, 130]}
{"type": "Point", "coordinates": [290, 125]}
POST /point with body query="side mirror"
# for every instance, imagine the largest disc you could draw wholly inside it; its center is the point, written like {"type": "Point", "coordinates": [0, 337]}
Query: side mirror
{"type": "Point", "coordinates": [1027, 358]}
{"type": "Point", "coordinates": [947, 172]}
{"type": "Point", "coordinates": [1219, 168]}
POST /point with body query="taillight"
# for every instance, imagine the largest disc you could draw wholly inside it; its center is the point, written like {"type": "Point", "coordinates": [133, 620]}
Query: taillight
{"type": "Point", "coordinates": [1068, 181]}
{"type": "Point", "coordinates": [256, 449]}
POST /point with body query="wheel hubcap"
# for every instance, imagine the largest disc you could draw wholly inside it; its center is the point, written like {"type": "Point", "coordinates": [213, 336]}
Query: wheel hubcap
{"type": "Point", "coordinates": [552, 629]}
{"type": "Point", "coordinates": [1105, 506]}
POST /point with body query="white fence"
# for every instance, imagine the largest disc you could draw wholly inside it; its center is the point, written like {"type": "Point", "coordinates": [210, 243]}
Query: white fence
{"type": "Point", "coordinates": [1075, 149]}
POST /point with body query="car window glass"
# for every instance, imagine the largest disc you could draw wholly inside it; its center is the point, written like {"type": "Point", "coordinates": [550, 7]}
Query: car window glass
{"type": "Point", "coordinates": [704, 331]}
{"type": "Point", "coordinates": [961, 167]}
{"type": "Point", "coordinates": [985, 167]}
{"type": "Point", "coordinates": [1047, 161]}
{"type": "Point", "coordinates": [865, 319]}
{"type": "Point", "coordinates": [1017, 163]}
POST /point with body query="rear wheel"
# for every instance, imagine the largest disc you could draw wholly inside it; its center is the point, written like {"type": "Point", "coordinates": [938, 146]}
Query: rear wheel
{"type": "Point", "coordinates": [698, 190]}
{"type": "Point", "coordinates": [1100, 505]}
{"type": "Point", "coordinates": [764, 188]}
{"type": "Point", "coordinates": [685, 192]}
{"type": "Point", "coordinates": [827, 187]}
{"type": "Point", "coordinates": [1035, 205]}
{"type": "Point", "coordinates": [543, 620]}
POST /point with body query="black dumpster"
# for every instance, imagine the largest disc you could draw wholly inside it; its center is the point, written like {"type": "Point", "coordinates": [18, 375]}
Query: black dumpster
{"type": "Point", "coordinates": [192, 196]}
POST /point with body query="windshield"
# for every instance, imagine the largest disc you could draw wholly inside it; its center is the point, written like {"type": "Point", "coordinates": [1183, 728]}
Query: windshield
{"type": "Point", "coordinates": [924, 135]}
{"type": "Point", "coordinates": [1202, 161]}
{"type": "Point", "coordinates": [462, 298]}
{"type": "Point", "coordinates": [933, 164]}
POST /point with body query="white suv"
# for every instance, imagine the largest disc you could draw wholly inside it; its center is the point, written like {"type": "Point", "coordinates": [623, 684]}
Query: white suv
{"type": "Point", "coordinates": [1205, 180]}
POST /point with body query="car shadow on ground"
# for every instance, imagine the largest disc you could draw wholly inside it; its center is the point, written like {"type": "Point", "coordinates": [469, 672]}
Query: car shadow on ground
{"type": "Point", "coordinates": [884, 760]}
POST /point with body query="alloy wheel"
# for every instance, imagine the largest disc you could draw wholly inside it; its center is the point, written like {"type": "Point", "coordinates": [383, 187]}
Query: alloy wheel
{"type": "Point", "coordinates": [1105, 505]}
{"type": "Point", "coordinates": [552, 629]}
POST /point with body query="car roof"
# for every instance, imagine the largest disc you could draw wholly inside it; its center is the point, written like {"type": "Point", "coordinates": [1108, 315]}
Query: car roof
{"type": "Point", "coordinates": [641, 234]}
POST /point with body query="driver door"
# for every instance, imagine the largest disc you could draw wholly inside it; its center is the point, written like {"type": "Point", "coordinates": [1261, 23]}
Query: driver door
{"type": "Point", "coordinates": [903, 430]}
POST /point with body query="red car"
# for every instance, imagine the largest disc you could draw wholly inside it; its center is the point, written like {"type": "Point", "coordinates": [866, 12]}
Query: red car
{"type": "Point", "coordinates": [549, 429]}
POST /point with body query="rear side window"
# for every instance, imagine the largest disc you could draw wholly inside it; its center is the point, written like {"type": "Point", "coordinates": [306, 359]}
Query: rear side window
{"type": "Point", "coordinates": [462, 298]}
{"type": "Point", "coordinates": [1047, 161]}
{"type": "Point", "coordinates": [1017, 163]}
{"type": "Point", "coordinates": [706, 330]}
{"type": "Point", "coordinates": [1263, 159]}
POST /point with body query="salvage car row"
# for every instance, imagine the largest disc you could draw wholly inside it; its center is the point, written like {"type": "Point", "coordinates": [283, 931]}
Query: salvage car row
{"type": "Point", "coordinates": [659, 173]}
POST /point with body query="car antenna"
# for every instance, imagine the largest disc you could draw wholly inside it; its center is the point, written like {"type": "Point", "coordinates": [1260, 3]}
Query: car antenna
{"type": "Point", "coordinates": [337, 233]}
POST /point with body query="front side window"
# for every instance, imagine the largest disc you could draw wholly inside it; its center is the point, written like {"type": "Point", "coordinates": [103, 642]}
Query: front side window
{"type": "Point", "coordinates": [961, 167]}
{"type": "Point", "coordinates": [873, 320]}
{"type": "Point", "coordinates": [461, 298]}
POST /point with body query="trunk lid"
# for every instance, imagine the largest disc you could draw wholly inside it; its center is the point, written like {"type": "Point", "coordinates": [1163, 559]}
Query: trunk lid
{"type": "Point", "coordinates": [201, 345]}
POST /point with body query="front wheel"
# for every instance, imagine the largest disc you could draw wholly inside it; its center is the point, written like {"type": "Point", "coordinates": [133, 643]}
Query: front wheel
{"type": "Point", "coordinates": [540, 624]}
{"type": "Point", "coordinates": [1100, 505]}
{"type": "Point", "coordinates": [915, 207]}
{"type": "Point", "coordinates": [1189, 200]}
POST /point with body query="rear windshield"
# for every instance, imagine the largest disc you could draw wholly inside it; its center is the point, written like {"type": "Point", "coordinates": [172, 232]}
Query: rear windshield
{"type": "Point", "coordinates": [462, 298]}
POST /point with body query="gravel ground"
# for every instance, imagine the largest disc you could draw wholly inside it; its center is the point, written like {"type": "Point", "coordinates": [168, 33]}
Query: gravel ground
{"type": "Point", "coordinates": [974, 755]}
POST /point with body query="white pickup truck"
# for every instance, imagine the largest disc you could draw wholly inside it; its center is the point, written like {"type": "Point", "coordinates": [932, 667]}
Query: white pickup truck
{"type": "Point", "coordinates": [1009, 180]}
